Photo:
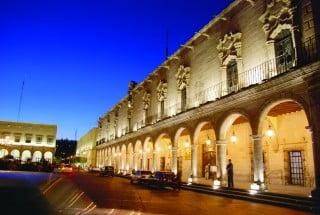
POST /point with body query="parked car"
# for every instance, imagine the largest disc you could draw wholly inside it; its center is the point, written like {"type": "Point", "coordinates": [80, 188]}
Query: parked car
{"type": "Point", "coordinates": [139, 176]}
{"type": "Point", "coordinates": [107, 171]}
{"type": "Point", "coordinates": [162, 179]}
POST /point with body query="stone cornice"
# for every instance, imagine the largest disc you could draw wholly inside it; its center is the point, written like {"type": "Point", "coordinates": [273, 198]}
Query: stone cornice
{"type": "Point", "coordinates": [284, 82]}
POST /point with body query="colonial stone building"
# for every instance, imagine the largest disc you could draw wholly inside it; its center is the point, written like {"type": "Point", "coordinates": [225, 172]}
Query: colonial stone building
{"type": "Point", "coordinates": [86, 148]}
{"type": "Point", "coordinates": [245, 87]}
{"type": "Point", "coordinates": [25, 141]}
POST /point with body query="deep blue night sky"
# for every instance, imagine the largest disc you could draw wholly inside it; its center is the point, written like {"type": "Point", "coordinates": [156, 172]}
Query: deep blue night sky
{"type": "Point", "coordinates": [74, 59]}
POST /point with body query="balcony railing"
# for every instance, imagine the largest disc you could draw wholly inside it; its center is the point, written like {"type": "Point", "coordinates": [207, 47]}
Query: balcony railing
{"type": "Point", "coordinates": [308, 53]}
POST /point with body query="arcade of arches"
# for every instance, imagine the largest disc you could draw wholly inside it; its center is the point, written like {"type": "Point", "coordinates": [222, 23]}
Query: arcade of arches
{"type": "Point", "coordinates": [271, 146]}
{"type": "Point", "coordinates": [26, 154]}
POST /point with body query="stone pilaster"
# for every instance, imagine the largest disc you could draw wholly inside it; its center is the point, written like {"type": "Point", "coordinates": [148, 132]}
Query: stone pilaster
{"type": "Point", "coordinates": [155, 159]}
{"type": "Point", "coordinates": [134, 163]}
{"type": "Point", "coordinates": [258, 176]}
{"type": "Point", "coordinates": [194, 157]}
{"type": "Point", "coordinates": [127, 162]}
{"type": "Point", "coordinates": [221, 159]}
{"type": "Point", "coordinates": [144, 160]}
{"type": "Point", "coordinates": [314, 95]}
{"type": "Point", "coordinates": [174, 160]}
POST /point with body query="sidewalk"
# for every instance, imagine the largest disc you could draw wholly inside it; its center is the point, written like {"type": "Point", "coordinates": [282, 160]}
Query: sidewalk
{"type": "Point", "coordinates": [272, 188]}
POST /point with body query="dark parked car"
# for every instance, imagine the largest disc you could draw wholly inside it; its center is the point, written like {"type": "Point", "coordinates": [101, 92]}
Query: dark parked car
{"type": "Point", "coordinates": [139, 176]}
{"type": "Point", "coordinates": [162, 179]}
{"type": "Point", "coordinates": [107, 171]}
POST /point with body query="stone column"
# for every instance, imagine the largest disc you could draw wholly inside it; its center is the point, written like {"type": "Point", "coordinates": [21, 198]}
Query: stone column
{"type": "Point", "coordinates": [155, 160]}
{"type": "Point", "coordinates": [314, 96]}
{"type": "Point", "coordinates": [174, 160]}
{"type": "Point", "coordinates": [134, 165]}
{"type": "Point", "coordinates": [258, 160]}
{"type": "Point", "coordinates": [194, 161]}
{"type": "Point", "coordinates": [110, 159]}
{"type": "Point", "coordinates": [144, 160]}
{"type": "Point", "coordinates": [221, 159]}
{"type": "Point", "coordinates": [119, 161]}
{"type": "Point", "coordinates": [127, 163]}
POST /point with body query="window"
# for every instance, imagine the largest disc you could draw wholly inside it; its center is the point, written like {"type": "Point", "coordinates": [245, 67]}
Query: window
{"type": "Point", "coordinates": [50, 140]}
{"type": "Point", "coordinates": [284, 51]}
{"type": "Point", "coordinates": [17, 138]}
{"type": "Point", "coordinates": [162, 108]}
{"type": "Point", "coordinates": [129, 125]}
{"type": "Point", "coordinates": [232, 76]}
{"type": "Point", "coordinates": [28, 138]}
{"type": "Point", "coordinates": [296, 168]}
{"type": "Point", "coordinates": [184, 99]}
{"type": "Point", "coordinates": [38, 139]}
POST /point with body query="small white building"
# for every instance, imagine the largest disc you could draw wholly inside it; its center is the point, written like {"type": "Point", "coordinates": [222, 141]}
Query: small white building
{"type": "Point", "coordinates": [26, 141]}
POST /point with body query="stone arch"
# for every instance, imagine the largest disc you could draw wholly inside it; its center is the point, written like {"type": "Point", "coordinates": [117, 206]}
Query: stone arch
{"type": "Point", "coordinates": [137, 146]}
{"type": "Point", "coordinates": [180, 129]}
{"type": "Point", "coordinates": [26, 154]}
{"type": "Point", "coordinates": [286, 117]}
{"type": "Point", "coordinates": [37, 155]}
{"type": "Point", "coordinates": [228, 118]}
{"type": "Point", "coordinates": [148, 150]}
{"type": "Point", "coordinates": [160, 137]}
{"type": "Point", "coordinates": [48, 156]}
{"type": "Point", "coordinates": [138, 150]}
{"type": "Point", "coordinates": [268, 104]}
{"type": "Point", "coordinates": [200, 125]}
{"type": "Point", "coordinates": [15, 153]}
{"type": "Point", "coordinates": [163, 146]}
{"type": "Point", "coordinates": [184, 145]}
{"type": "Point", "coordinates": [206, 139]}
{"type": "Point", "coordinates": [236, 143]}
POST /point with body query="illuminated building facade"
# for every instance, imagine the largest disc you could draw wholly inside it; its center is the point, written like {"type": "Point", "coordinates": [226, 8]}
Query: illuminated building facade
{"type": "Point", "coordinates": [86, 148]}
{"type": "Point", "coordinates": [245, 87]}
{"type": "Point", "coordinates": [27, 141]}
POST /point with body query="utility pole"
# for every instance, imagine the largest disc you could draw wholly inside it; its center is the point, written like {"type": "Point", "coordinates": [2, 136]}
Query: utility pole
{"type": "Point", "coordinates": [20, 101]}
{"type": "Point", "coordinates": [167, 45]}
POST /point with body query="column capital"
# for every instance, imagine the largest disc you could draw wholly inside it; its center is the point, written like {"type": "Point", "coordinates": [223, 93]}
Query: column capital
{"type": "Point", "coordinates": [155, 151]}
{"type": "Point", "coordinates": [256, 136]}
{"type": "Point", "coordinates": [221, 142]}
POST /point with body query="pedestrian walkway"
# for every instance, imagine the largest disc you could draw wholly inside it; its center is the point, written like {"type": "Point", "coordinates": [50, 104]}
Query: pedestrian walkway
{"type": "Point", "coordinates": [272, 188]}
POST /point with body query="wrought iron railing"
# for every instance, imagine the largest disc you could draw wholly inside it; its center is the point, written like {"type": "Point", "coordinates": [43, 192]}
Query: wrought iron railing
{"type": "Point", "coordinates": [307, 53]}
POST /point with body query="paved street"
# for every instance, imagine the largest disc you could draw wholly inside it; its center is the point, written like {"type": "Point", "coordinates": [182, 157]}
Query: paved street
{"type": "Point", "coordinates": [87, 193]}
{"type": "Point", "coordinates": [113, 195]}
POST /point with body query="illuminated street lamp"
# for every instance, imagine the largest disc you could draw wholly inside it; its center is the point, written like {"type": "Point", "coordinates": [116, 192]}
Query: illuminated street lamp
{"type": "Point", "coordinates": [186, 144]}
{"type": "Point", "coordinates": [270, 132]}
{"type": "Point", "coordinates": [208, 141]}
{"type": "Point", "coordinates": [233, 138]}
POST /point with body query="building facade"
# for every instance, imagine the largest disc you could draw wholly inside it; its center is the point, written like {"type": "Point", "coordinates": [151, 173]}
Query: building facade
{"type": "Point", "coordinates": [86, 148]}
{"type": "Point", "coordinates": [27, 141]}
{"type": "Point", "coordinates": [246, 87]}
